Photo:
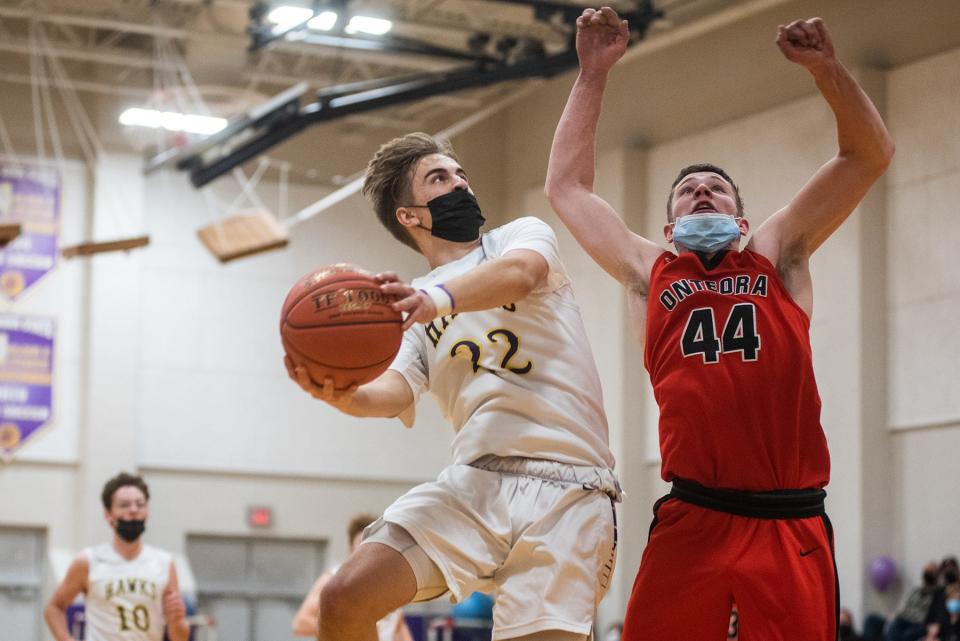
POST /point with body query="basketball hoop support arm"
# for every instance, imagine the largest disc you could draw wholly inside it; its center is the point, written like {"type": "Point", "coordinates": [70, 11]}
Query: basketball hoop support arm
{"type": "Point", "coordinates": [282, 117]}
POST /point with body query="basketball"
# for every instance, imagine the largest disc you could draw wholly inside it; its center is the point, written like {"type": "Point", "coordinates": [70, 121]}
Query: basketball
{"type": "Point", "coordinates": [337, 323]}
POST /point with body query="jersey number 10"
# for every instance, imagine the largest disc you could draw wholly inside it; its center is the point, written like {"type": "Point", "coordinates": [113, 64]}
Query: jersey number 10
{"type": "Point", "coordinates": [739, 334]}
{"type": "Point", "coordinates": [138, 617]}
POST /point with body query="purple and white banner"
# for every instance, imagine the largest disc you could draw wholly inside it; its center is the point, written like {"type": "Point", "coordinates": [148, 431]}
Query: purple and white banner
{"type": "Point", "coordinates": [29, 195]}
{"type": "Point", "coordinates": [26, 378]}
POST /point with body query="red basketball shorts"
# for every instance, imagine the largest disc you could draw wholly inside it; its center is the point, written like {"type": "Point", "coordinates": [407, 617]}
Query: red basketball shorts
{"type": "Point", "coordinates": [699, 561]}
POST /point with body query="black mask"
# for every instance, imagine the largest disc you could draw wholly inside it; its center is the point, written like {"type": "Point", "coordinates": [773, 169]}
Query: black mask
{"type": "Point", "coordinates": [930, 578]}
{"type": "Point", "coordinates": [845, 631]}
{"type": "Point", "coordinates": [130, 531]}
{"type": "Point", "coordinates": [456, 216]}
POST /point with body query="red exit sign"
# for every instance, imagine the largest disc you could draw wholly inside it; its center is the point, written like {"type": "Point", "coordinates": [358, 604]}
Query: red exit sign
{"type": "Point", "coordinates": [259, 516]}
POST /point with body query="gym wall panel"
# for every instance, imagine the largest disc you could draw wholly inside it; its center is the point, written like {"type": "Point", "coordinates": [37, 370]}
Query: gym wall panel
{"type": "Point", "coordinates": [923, 235]}
{"type": "Point", "coordinates": [923, 302]}
{"type": "Point", "coordinates": [924, 473]}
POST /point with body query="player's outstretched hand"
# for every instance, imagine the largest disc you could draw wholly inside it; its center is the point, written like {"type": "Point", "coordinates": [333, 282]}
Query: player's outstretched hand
{"type": "Point", "coordinates": [805, 42]}
{"type": "Point", "coordinates": [418, 307]}
{"type": "Point", "coordinates": [602, 38]}
{"type": "Point", "coordinates": [327, 392]}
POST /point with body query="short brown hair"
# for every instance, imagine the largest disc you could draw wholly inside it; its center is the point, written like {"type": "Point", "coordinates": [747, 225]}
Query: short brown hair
{"type": "Point", "coordinates": [122, 480]}
{"type": "Point", "coordinates": [696, 169]}
{"type": "Point", "coordinates": [389, 173]}
{"type": "Point", "coordinates": [358, 524]}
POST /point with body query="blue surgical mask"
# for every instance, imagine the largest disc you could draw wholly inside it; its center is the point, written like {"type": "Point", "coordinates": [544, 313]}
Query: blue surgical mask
{"type": "Point", "coordinates": [705, 232]}
{"type": "Point", "coordinates": [953, 606]}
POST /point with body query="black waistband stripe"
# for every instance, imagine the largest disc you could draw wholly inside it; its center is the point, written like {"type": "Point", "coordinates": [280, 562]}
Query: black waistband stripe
{"type": "Point", "coordinates": [781, 504]}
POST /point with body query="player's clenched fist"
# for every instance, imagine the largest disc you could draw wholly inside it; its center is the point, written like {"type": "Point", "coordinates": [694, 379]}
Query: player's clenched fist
{"type": "Point", "coordinates": [805, 42]}
{"type": "Point", "coordinates": [602, 38]}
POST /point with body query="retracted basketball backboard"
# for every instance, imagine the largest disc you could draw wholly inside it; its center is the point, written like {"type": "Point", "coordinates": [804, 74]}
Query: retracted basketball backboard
{"type": "Point", "coordinates": [88, 249]}
{"type": "Point", "coordinates": [242, 235]}
{"type": "Point", "coordinates": [9, 231]}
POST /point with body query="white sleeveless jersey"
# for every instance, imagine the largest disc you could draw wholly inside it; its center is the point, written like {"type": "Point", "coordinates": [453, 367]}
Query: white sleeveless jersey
{"type": "Point", "coordinates": [124, 600]}
{"type": "Point", "coordinates": [517, 380]}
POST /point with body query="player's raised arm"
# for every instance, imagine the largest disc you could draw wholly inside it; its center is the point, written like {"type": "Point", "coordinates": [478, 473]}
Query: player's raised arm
{"type": "Point", "coordinates": [864, 151]}
{"type": "Point", "coordinates": [601, 41]}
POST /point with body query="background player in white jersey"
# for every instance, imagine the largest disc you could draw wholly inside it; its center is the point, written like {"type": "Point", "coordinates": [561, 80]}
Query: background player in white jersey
{"type": "Point", "coordinates": [306, 622]}
{"type": "Point", "coordinates": [527, 508]}
{"type": "Point", "coordinates": [130, 588]}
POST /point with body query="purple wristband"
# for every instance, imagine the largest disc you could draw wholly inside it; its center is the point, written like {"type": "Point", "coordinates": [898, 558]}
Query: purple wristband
{"type": "Point", "coordinates": [453, 303]}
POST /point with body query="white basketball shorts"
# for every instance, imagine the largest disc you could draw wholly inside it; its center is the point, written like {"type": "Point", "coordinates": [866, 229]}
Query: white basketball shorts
{"type": "Point", "coordinates": [539, 535]}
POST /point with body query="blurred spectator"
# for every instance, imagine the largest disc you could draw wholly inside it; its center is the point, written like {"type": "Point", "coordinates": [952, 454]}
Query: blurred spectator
{"type": "Point", "coordinates": [873, 625]}
{"type": "Point", "coordinates": [614, 630]}
{"type": "Point", "coordinates": [845, 629]}
{"type": "Point", "coordinates": [949, 571]}
{"type": "Point", "coordinates": [477, 606]}
{"type": "Point", "coordinates": [948, 575]}
{"type": "Point", "coordinates": [946, 627]}
{"type": "Point", "coordinates": [910, 622]}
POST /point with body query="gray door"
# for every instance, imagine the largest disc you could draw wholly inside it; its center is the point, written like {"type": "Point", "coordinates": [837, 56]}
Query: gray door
{"type": "Point", "coordinates": [253, 586]}
{"type": "Point", "coordinates": [21, 572]}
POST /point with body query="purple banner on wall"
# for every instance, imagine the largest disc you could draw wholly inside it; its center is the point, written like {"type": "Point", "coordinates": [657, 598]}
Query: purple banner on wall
{"type": "Point", "coordinates": [29, 195]}
{"type": "Point", "coordinates": [26, 379]}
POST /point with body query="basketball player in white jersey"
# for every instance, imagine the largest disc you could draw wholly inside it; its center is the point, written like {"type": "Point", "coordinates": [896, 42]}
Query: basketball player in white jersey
{"type": "Point", "coordinates": [130, 589]}
{"type": "Point", "coordinates": [526, 510]}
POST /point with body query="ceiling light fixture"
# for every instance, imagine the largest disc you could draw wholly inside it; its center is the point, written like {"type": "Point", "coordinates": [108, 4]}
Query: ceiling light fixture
{"type": "Point", "coordinates": [172, 121]}
{"type": "Point", "coordinates": [289, 16]}
{"type": "Point", "coordinates": [323, 21]}
{"type": "Point", "coordinates": [370, 25]}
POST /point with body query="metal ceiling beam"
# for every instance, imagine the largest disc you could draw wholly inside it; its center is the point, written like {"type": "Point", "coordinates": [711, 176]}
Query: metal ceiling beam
{"type": "Point", "coordinates": [207, 166]}
{"type": "Point", "coordinates": [387, 44]}
{"type": "Point", "coordinates": [115, 56]}
{"type": "Point", "coordinates": [397, 61]}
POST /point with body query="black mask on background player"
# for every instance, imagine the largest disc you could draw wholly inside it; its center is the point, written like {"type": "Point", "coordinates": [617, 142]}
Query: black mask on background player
{"type": "Point", "coordinates": [456, 216]}
{"type": "Point", "coordinates": [131, 530]}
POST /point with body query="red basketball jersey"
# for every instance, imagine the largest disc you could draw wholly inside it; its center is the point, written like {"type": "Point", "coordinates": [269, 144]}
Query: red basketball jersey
{"type": "Point", "coordinates": [728, 351]}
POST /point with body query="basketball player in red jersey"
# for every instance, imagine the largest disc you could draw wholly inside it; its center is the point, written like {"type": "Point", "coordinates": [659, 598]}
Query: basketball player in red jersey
{"type": "Point", "coordinates": [728, 353]}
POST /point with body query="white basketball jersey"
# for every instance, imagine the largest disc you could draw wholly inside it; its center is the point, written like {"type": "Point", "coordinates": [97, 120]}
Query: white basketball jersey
{"type": "Point", "coordinates": [124, 600]}
{"type": "Point", "coordinates": [517, 380]}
